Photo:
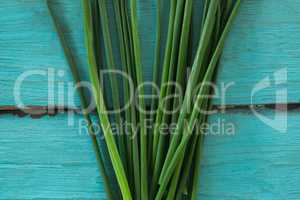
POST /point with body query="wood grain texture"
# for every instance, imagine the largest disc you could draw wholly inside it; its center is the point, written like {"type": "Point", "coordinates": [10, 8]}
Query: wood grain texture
{"type": "Point", "coordinates": [29, 45]}
{"type": "Point", "coordinates": [260, 43]}
{"type": "Point", "coordinates": [30, 42]}
{"type": "Point", "coordinates": [256, 163]}
{"type": "Point", "coordinates": [264, 39]}
{"type": "Point", "coordinates": [47, 158]}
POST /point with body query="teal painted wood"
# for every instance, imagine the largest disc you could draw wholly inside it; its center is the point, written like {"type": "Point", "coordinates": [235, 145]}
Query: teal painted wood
{"type": "Point", "coordinates": [264, 40]}
{"type": "Point", "coordinates": [29, 44]}
{"type": "Point", "coordinates": [47, 158]}
{"type": "Point", "coordinates": [256, 163]}
{"type": "Point", "coordinates": [260, 44]}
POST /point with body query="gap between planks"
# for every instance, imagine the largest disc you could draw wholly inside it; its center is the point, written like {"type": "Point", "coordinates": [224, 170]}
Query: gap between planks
{"type": "Point", "coordinates": [40, 111]}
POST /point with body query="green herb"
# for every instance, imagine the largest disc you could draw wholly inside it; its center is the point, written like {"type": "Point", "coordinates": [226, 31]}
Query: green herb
{"type": "Point", "coordinates": [154, 165]}
{"type": "Point", "coordinates": [141, 102]}
{"type": "Point", "coordinates": [77, 80]}
{"type": "Point", "coordinates": [101, 107]}
{"type": "Point", "coordinates": [177, 155]}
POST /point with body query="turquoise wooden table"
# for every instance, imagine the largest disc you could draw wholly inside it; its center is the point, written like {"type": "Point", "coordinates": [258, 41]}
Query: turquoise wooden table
{"type": "Point", "coordinates": [51, 158]}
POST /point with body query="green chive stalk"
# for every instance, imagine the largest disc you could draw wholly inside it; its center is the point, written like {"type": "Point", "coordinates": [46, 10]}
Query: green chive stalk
{"type": "Point", "coordinates": [187, 159]}
{"type": "Point", "coordinates": [199, 101]}
{"type": "Point", "coordinates": [155, 77]}
{"type": "Point", "coordinates": [166, 103]}
{"type": "Point", "coordinates": [126, 88]}
{"type": "Point", "coordinates": [84, 103]}
{"type": "Point", "coordinates": [164, 80]}
{"type": "Point", "coordinates": [132, 143]}
{"type": "Point", "coordinates": [192, 82]}
{"type": "Point", "coordinates": [114, 84]}
{"type": "Point", "coordinates": [142, 113]}
{"type": "Point", "coordinates": [127, 36]}
{"type": "Point", "coordinates": [182, 59]}
{"type": "Point", "coordinates": [101, 108]}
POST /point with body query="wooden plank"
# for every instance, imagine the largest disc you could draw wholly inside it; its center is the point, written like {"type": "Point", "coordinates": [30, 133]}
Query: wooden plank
{"type": "Point", "coordinates": [47, 158]}
{"type": "Point", "coordinates": [29, 47]}
{"type": "Point", "coordinates": [262, 42]}
{"type": "Point", "coordinates": [257, 162]}
{"type": "Point", "coordinates": [29, 42]}
{"type": "Point", "coordinates": [257, 47]}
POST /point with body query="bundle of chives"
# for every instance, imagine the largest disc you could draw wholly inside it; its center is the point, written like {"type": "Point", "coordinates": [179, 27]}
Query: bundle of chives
{"type": "Point", "coordinates": [100, 104]}
{"type": "Point", "coordinates": [175, 154]}
{"type": "Point", "coordinates": [148, 163]}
